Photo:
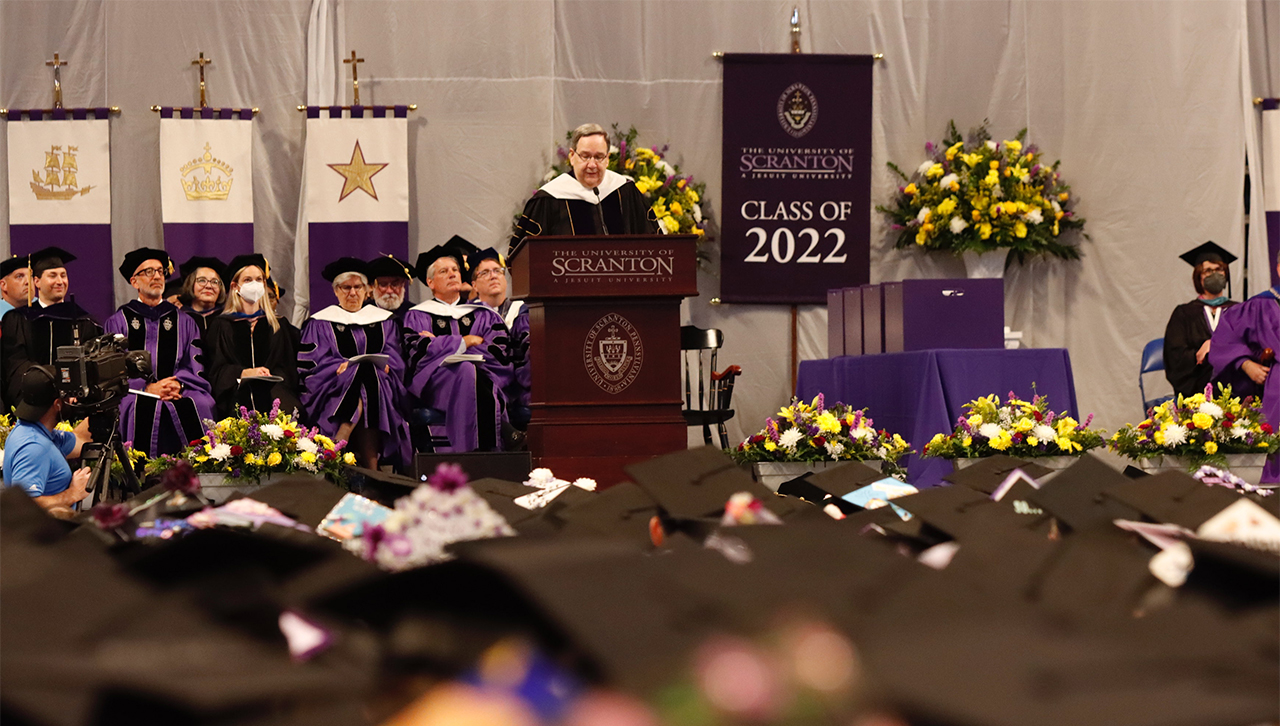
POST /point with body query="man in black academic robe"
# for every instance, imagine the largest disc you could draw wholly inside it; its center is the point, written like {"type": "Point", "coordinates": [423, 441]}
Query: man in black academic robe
{"type": "Point", "coordinates": [31, 335]}
{"type": "Point", "coordinates": [389, 277]}
{"type": "Point", "coordinates": [1191, 326]}
{"type": "Point", "coordinates": [591, 200]}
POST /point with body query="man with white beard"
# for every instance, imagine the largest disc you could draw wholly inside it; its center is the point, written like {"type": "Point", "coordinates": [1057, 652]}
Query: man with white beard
{"type": "Point", "coordinates": [390, 277]}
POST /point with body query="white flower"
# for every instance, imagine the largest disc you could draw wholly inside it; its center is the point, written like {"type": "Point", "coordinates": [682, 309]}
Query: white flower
{"type": "Point", "coordinates": [1211, 408]}
{"type": "Point", "coordinates": [997, 193]}
{"type": "Point", "coordinates": [989, 430]}
{"type": "Point", "coordinates": [1035, 216]}
{"type": "Point", "coordinates": [550, 175]}
{"type": "Point", "coordinates": [991, 144]}
{"type": "Point", "coordinates": [308, 465]}
{"type": "Point", "coordinates": [924, 167]}
{"type": "Point", "coordinates": [835, 449]}
{"type": "Point", "coordinates": [790, 438]}
{"type": "Point", "coordinates": [305, 444]}
{"type": "Point", "coordinates": [697, 212]}
{"type": "Point", "coordinates": [958, 225]}
{"type": "Point", "coordinates": [862, 432]}
{"type": "Point", "coordinates": [1239, 432]}
{"type": "Point", "coordinates": [946, 181]}
{"type": "Point", "coordinates": [273, 431]}
{"type": "Point", "coordinates": [667, 169]}
{"type": "Point", "coordinates": [882, 452]}
{"type": "Point", "coordinates": [613, 149]}
{"type": "Point", "coordinates": [220, 452]}
{"type": "Point", "coordinates": [540, 477]}
{"type": "Point", "coordinates": [585, 483]}
{"type": "Point", "coordinates": [1175, 434]}
{"type": "Point", "coordinates": [1056, 207]}
{"type": "Point", "coordinates": [921, 215]}
{"type": "Point", "coordinates": [1044, 432]}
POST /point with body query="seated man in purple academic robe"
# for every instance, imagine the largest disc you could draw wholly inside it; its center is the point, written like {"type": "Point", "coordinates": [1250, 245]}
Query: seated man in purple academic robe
{"type": "Point", "coordinates": [454, 361]}
{"type": "Point", "coordinates": [168, 414]}
{"type": "Point", "coordinates": [1236, 353]}
{"type": "Point", "coordinates": [488, 271]}
{"type": "Point", "coordinates": [352, 372]}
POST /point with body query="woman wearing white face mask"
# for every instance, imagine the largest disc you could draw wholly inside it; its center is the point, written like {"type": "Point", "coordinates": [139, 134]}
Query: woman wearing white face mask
{"type": "Point", "coordinates": [252, 350]}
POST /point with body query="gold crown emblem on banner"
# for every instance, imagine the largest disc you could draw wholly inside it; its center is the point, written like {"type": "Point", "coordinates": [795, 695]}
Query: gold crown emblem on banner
{"type": "Point", "coordinates": [216, 182]}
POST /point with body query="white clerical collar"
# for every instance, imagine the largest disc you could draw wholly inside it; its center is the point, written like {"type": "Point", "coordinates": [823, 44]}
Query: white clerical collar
{"type": "Point", "coordinates": [455, 310]}
{"type": "Point", "coordinates": [366, 315]}
{"type": "Point", "coordinates": [566, 186]}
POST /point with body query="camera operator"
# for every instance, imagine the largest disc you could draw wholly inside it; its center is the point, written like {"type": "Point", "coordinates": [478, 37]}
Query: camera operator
{"type": "Point", "coordinates": [35, 454]}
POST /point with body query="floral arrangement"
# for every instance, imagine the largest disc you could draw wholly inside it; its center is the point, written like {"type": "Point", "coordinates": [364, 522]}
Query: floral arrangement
{"type": "Point", "coordinates": [1025, 429]}
{"type": "Point", "coordinates": [980, 195]}
{"type": "Point", "coordinates": [255, 444]}
{"type": "Point", "coordinates": [814, 432]}
{"type": "Point", "coordinates": [1200, 427]}
{"type": "Point", "coordinates": [675, 198]}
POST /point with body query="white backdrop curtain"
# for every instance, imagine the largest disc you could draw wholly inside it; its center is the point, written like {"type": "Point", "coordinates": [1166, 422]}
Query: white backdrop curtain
{"type": "Point", "coordinates": [1144, 102]}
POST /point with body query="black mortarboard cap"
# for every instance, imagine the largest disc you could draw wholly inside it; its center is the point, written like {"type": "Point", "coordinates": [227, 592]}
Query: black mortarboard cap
{"type": "Point", "coordinates": [1173, 497]}
{"type": "Point", "coordinates": [239, 262]}
{"type": "Point", "coordinates": [344, 264]}
{"type": "Point", "coordinates": [623, 510]}
{"type": "Point", "coordinates": [1075, 495]}
{"type": "Point", "coordinates": [213, 263]}
{"type": "Point", "coordinates": [389, 266]}
{"type": "Point", "coordinates": [1208, 252]}
{"type": "Point", "coordinates": [840, 480]}
{"type": "Point", "coordinates": [49, 258]}
{"type": "Point", "coordinates": [696, 483]}
{"type": "Point", "coordinates": [475, 258]}
{"type": "Point", "coordinates": [463, 246]}
{"type": "Point", "coordinates": [426, 258]}
{"type": "Point", "coordinates": [304, 498]}
{"type": "Point", "coordinates": [173, 287]}
{"type": "Point", "coordinates": [134, 259]}
{"type": "Point", "coordinates": [12, 265]}
{"type": "Point", "coordinates": [986, 474]}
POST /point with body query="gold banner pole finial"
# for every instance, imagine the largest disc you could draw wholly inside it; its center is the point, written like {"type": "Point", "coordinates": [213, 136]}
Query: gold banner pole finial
{"type": "Point", "coordinates": [355, 76]}
{"type": "Point", "coordinates": [57, 79]}
{"type": "Point", "coordinates": [795, 30]}
{"type": "Point", "coordinates": [202, 62]}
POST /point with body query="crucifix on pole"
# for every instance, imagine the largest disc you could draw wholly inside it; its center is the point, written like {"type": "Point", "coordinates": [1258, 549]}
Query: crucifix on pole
{"type": "Point", "coordinates": [355, 76]}
{"type": "Point", "coordinates": [57, 79]}
{"type": "Point", "coordinates": [202, 62]}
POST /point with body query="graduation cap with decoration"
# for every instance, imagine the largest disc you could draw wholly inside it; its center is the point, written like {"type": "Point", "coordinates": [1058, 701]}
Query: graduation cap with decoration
{"type": "Point", "coordinates": [134, 259]}
{"type": "Point", "coordinates": [13, 264]}
{"type": "Point", "coordinates": [385, 265]}
{"type": "Point", "coordinates": [49, 258]}
{"type": "Point", "coordinates": [475, 258]}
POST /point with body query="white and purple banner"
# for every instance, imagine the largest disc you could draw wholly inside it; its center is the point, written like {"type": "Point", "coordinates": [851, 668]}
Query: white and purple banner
{"type": "Point", "coordinates": [60, 195]}
{"type": "Point", "coordinates": [1271, 179]}
{"type": "Point", "coordinates": [206, 182]}
{"type": "Point", "coordinates": [355, 193]}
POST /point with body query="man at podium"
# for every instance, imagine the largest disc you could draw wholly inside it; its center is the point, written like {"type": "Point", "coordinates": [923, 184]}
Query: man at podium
{"type": "Point", "coordinates": [590, 200]}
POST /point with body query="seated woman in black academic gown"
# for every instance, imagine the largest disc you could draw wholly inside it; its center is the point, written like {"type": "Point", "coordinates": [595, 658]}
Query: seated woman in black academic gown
{"type": "Point", "coordinates": [253, 351]}
{"type": "Point", "coordinates": [203, 291]}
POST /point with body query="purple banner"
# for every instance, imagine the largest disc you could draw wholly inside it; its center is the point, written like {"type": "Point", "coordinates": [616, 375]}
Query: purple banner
{"type": "Point", "coordinates": [220, 241]}
{"type": "Point", "coordinates": [330, 240]}
{"type": "Point", "coordinates": [1273, 244]}
{"type": "Point", "coordinates": [92, 276]}
{"type": "Point", "coordinates": [796, 215]}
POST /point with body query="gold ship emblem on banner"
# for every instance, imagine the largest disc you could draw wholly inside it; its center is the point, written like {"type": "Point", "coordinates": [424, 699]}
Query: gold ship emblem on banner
{"type": "Point", "coordinates": [210, 187]}
{"type": "Point", "coordinates": [59, 171]}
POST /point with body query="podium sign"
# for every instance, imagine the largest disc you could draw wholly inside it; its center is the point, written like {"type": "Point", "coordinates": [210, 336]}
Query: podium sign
{"type": "Point", "coordinates": [604, 349]}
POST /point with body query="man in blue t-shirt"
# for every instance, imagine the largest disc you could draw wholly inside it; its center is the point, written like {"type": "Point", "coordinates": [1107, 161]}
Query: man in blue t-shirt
{"type": "Point", "coordinates": [35, 454]}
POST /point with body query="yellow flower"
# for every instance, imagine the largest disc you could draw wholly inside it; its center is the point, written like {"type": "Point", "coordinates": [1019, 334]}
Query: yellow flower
{"type": "Point", "coordinates": [63, 426]}
{"type": "Point", "coordinates": [1202, 421]}
{"type": "Point", "coordinates": [1001, 442]}
{"type": "Point", "coordinates": [977, 215]}
{"type": "Point", "coordinates": [698, 231]}
{"type": "Point", "coordinates": [970, 160]}
{"type": "Point", "coordinates": [1263, 444]}
{"type": "Point", "coordinates": [786, 413]}
{"type": "Point", "coordinates": [1158, 437]}
{"type": "Point", "coordinates": [946, 206]}
{"type": "Point", "coordinates": [1055, 229]}
{"type": "Point", "coordinates": [974, 421]}
{"type": "Point", "coordinates": [1019, 229]}
{"type": "Point", "coordinates": [693, 195]}
{"type": "Point", "coordinates": [954, 149]}
{"type": "Point", "coordinates": [984, 230]}
{"type": "Point", "coordinates": [770, 446]}
{"type": "Point", "coordinates": [671, 224]}
{"type": "Point", "coordinates": [1066, 425]}
{"type": "Point", "coordinates": [1033, 441]}
{"type": "Point", "coordinates": [937, 439]}
{"type": "Point", "coordinates": [308, 457]}
{"type": "Point", "coordinates": [325, 440]}
{"type": "Point", "coordinates": [201, 459]}
{"type": "Point", "coordinates": [1024, 424]}
{"type": "Point", "coordinates": [647, 184]}
{"type": "Point", "coordinates": [676, 209]}
{"type": "Point", "coordinates": [922, 236]}
{"type": "Point", "coordinates": [630, 164]}
{"type": "Point", "coordinates": [828, 423]}
{"type": "Point", "coordinates": [1210, 447]}
{"type": "Point", "coordinates": [934, 172]}
{"type": "Point", "coordinates": [348, 458]}
{"type": "Point", "coordinates": [1015, 146]}
{"type": "Point", "coordinates": [1063, 197]}
{"type": "Point", "coordinates": [274, 458]}
{"type": "Point", "coordinates": [968, 441]}
{"type": "Point", "coordinates": [1067, 445]}
{"type": "Point", "coordinates": [994, 165]}
{"type": "Point", "coordinates": [910, 190]}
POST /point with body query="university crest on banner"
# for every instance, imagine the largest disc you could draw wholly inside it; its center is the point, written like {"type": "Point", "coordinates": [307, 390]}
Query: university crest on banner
{"type": "Point", "coordinates": [60, 194]}
{"type": "Point", "coordinates": [356, 192]}
{"type": "Point", "coordinates": [206, 182]}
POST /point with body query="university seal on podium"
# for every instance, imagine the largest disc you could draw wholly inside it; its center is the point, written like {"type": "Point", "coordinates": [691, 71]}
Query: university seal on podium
{"type": "Point", "coordinates": [797, 110]}
{"type": "Point", "coordinates": [613, 353]}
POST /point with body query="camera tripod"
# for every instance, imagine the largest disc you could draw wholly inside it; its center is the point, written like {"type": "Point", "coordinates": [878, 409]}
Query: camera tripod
{"type": "Point", "coordinates": [104, 427]}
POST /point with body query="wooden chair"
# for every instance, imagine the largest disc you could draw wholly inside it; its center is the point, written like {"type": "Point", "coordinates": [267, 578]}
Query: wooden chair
{"type": "Point", "coordinates": [714, 391]}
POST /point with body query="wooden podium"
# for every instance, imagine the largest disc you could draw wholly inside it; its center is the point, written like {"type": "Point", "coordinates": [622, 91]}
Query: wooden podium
{"type": "Point", "coordinates": [604, 348]}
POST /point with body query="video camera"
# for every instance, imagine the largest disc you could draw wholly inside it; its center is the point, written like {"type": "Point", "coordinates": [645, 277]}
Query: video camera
{"type": "Point", "coordinates": [97, 373]}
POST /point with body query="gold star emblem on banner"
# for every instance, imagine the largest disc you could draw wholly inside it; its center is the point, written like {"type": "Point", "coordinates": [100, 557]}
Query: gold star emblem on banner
{"type": "Point", "coordinates": [357, 174]}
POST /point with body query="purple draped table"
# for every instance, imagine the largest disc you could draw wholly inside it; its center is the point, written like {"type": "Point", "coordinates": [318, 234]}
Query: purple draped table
{"type": "Point", "coordinates": [921, 393]}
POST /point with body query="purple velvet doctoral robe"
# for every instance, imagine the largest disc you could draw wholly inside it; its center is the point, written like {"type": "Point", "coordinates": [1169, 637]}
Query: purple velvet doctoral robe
{"type": "Point", "coordinates": [470, 393]}
{"type": "Point", "coordinates": [1243, 331]}
{"type": "Point", "coordinates": [173, 340]}
{"type": "Point", "coordinates": [515, 344]}
{"type": "Point", "coordinates": [364, 394]}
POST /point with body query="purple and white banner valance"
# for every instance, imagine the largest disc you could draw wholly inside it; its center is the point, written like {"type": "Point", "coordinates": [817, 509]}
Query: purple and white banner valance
{"type": "Point", "coordinates": [60, 194]}
{"type": "Point", "coordinates": [355, 193]}
{"type": "Point", "coordinates": [207, 113]}
{"type": "Point", "coordinates": [206, 183]}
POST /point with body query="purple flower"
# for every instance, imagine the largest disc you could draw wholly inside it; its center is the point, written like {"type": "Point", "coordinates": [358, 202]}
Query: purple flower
{"type": "Point", "coordinates": [235, 473]}
{"type": "Point", "coordinates": [181, 477]}
{"type": "Point", "coordinates": [448, 478]}
{"type": "Point", "coordinates": [819, 408]}
{"type": "Point", "coordinates": [1088, 420]}
{"type": "Point", "coordinates": [110, 516]}
{"type": "Point", "coordinates": [771, 430]}
{"type": "Point", "coordinates": [562, 152]}
{"type": "Point", "coordinates": [275, 409]}
{"type": "Point", "coordinates": [964, 425]}
{"type": "Point", "coordinates": [1035, 170]}
{"type": "Point", "coordinates": [928, 147]}
{"type": "Point", "coordinates": [244, 413]}
{"type": "Point", "coordinates": [373, 537]}
{"type": "Point", "coordinates": [857, 420]}
{"type": "Point", "coordinates": [1011, 396]}
{"type": "Point", "coordinates": [812, 430]}
{"type": "Point", "coordinates": [1049, 417]}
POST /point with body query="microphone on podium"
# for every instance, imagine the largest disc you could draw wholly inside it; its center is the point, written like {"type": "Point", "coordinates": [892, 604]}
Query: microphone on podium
{"type": "Point", "coordinates": [600, 212]}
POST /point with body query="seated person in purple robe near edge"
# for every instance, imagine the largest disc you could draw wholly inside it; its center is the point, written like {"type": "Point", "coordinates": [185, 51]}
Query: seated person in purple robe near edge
{"type": "Point", "coordinates": [31, 335]}
{"type": "Point", "coordinates": [1187, 336]}
{"type": "Point", "coordinates": [347, 395]}
{"type": "Point", "coordinates": [488, 271]}
{"type": "Point", "coordinates": [454, 361]}
{"type": "Point", "coordinates": [1243, 333]}
{"type": "Point", "coordinates": [203, 289]}
{"type": "Point", "coordinates": [252, 351]}
{"type": "Point", "coordinates": [168, 414]}
{"type": "Point", "coordinates": [589, 200]}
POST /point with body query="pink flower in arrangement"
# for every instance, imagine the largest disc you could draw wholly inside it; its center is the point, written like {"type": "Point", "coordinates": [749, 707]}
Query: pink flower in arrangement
{"type": "Point", "coordinates": [181, 477]}
{"type": "Point", "coordinates": [110, 516]}
{"type": "Point", "coordinates": [448, 478]}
